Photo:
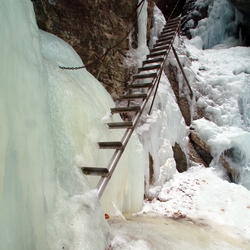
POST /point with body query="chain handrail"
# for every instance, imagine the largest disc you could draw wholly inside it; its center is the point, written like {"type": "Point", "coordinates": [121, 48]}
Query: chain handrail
{"type": "Point", "coordinates": [116, 45]}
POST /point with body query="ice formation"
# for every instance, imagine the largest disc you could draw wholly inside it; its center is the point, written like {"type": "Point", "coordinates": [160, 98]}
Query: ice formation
{"type": "Point", "coordinates": [51, 121]}
{"type": "Point", "coordinates": [222, 87]}
{"type": "Point", "coordinates": [220, 26]}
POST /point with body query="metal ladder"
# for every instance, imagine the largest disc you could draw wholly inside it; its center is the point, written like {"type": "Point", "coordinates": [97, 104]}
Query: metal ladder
{"type": "Point", "coordinates": [154, 62]}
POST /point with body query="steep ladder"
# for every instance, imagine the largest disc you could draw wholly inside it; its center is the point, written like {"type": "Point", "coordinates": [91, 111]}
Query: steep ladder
{"type": "Point", "coordinates": [154, 64]}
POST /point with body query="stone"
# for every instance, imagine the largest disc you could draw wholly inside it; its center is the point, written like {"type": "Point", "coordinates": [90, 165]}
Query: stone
{"type": "Point", "coordinates": [92, 27]}
{"type": "Point", "coordinates": [180, 158]}
{"type": "Point", "coordinates": [201, 148]}
{"type": "Point", "coordinates": [194, 156]}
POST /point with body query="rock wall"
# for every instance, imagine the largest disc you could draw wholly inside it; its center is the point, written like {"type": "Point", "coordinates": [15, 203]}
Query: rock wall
{"type": "Point", "coordinates": [91, 27]}
{"type": "Point", "coordinates": [170, 7]}
{"type": "Point", "coordinates": [242, 5]}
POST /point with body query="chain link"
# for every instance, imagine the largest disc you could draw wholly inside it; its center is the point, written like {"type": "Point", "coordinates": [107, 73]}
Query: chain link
{"type": "Point", "coordinates": [72, 68]}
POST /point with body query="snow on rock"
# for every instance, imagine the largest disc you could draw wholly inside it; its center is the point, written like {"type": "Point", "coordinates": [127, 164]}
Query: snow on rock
{"type": "Point", "coordinates": [222, 88]}
{"type": "Point", "coordinates": [200, 194]}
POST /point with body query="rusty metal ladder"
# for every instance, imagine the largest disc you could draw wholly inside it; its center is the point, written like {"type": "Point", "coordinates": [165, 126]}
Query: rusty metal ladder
{"type": "Point", "coordinates": [154, 62]}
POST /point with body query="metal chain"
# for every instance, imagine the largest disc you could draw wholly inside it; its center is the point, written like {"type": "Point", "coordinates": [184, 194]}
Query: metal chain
{"type": "Point", "coordinates": [109, 49]}
{"type": "Point", "coordinates": [72, 68]}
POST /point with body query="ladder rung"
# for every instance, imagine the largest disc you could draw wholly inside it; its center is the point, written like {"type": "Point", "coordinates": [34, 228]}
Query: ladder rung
{"type": "Point", "coordinates": [133, 96]}
{"type": "Point", "coordinates": [142, 76]}
{"type": "Point", "coordinates": [165, 42]}
{"type": "Point", "coordinates": [110, 145]}
{"type": "Point", "coordinates": [120, 125]}
{"type": "Point", "coordinates": [159, 53]}
{"type": "Point", "coordinates": [173, 20]}
{"type": "Point", "coordinates": [95, 171]}
{"type": "Point", "coordinates": [165, 47]}
{"type": "Point", "coordinates": [156, 66]}
{"type": "Point", "coordinates": [125, 109]}
{"type": "Point", "coordinates": [171, 25]}
{"type": "Point", "coordinates": [159, 59]}
{"type": "Point", "coordinates": [170, 28]}
{"type": "Point", "coordinates": [139, 85]}
{"type": "Point", "coordinates": [176, 20]}
{"type": "Point", "coordinates": [166, 35]}
{"type": "Point", "coordinates": [163, 39]}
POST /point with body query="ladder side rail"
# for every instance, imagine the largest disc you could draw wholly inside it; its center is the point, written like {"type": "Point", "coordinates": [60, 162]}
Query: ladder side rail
{"type": "Point", "coordinates": [103, 182]}
{"type": "Point", "coordinates": [182, 71]}
{"type": "Point", "coordinates": [161, 69]}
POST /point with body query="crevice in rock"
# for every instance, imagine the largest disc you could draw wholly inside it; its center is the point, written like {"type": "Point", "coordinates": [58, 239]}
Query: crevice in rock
{"type": "Point", "coordinates": [201, 148]}
{"type": "Point", "coordinates": [151, 169]}
{"type": "Point", "coordinates": [182, 99]}
{"type": "Point", "coordinates": [180, 158]}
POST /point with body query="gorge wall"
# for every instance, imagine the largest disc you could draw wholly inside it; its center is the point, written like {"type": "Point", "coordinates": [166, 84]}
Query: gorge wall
{"type": "Point", "coordinates": [92, 27]}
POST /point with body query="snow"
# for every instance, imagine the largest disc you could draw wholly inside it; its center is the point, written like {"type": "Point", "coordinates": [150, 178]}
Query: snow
{"type": "Point", "coordinates": [200, 194]}
{"type": "Point", "coordinates": [153, 132]}
{"type": "Point", "coordinates": [195, 210]}
{"type": "Point", "coordinates": [222, 89]}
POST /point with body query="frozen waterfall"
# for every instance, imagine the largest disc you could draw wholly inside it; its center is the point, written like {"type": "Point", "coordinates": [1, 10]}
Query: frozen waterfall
{"type": "Point", "coordinates": [51, 121]}
{"type": "Point", "coordinates": [219, 27]}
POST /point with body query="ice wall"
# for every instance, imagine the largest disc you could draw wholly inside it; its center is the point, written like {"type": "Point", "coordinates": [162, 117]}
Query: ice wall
{"type": "Point", "coordinates": [82, 107]}
{"type": "Point", "coordinates": [135, 57]}
{"type": "Point", "coordinates": [220, 26]}
{"type": "Point", "coordinates": [26, 148]}
{"type": "Point", "coordinates": [51, 121]}
{"type": "Point", "coordinates": [159, 22]}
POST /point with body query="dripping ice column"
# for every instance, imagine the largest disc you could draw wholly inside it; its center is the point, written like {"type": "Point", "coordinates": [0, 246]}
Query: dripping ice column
{"type": "Point", "coordinates": [26, 158]}
{"type": "Point", "coordinates": [142, 49]}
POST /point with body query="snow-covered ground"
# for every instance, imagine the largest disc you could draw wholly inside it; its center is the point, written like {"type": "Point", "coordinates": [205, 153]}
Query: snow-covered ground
{"type": "Point", "coordinates": [200, 208]}
{"type": "Point", "coordinates": [206, 213]}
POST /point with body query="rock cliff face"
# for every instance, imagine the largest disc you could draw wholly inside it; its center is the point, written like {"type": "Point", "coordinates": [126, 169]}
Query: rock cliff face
{"type": "Point", "coordinates": [170, 7]}
{"type": "Point", "coordinates": [91, 27]}
{"type": "Point", "coordinates": [242, 5]}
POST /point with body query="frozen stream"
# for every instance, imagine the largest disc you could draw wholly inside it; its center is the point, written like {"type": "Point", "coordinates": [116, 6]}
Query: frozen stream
{"type": "Point", "coordinates": [145, 232]}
